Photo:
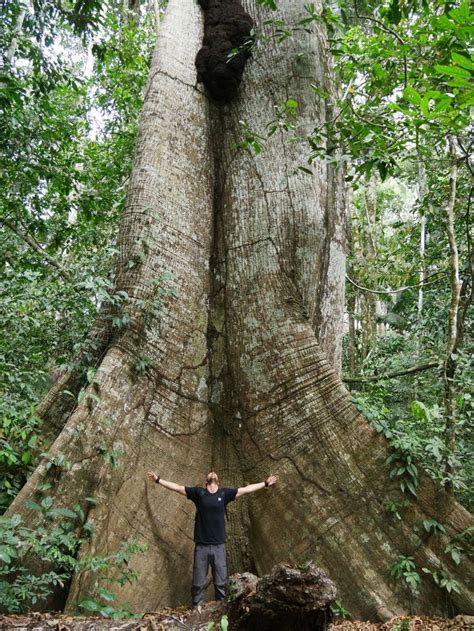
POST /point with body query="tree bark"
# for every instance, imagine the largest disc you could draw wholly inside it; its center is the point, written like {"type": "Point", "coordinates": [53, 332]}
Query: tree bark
{"type": "Point", "coordinates": [351, 295]}
{"type": "Point", "coordinates": [369, 252]}
{"type": "Point", "coordinates": [242, 365]}
{"type": "Point", "coordinates": [453, 325]}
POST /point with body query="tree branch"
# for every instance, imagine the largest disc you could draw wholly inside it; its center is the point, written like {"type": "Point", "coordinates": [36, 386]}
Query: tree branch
{"type": "Point", "coordinates": [392, 375]}
{"type": "Point", "coordinates": [395, 291]}
{"type": "Point", "coordinates": [31, 241]}
{"type": "Point", "coordinates": [388, 30]}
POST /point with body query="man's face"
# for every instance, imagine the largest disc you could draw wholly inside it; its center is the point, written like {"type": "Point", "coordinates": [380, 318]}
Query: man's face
{"type": "Point", "coordinates": [212, 478]}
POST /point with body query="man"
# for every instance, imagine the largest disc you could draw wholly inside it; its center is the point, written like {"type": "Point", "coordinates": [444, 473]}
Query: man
{"type": "Point", "coordinates": [209, 529]}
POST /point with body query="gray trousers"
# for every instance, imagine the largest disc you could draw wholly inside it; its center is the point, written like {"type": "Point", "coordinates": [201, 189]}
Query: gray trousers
{"type": "Point", "coordinates": [215, 556]}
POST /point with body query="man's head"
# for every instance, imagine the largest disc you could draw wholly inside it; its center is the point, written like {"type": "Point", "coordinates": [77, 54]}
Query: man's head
{"type": "Point", "coordinates": [212, 478]}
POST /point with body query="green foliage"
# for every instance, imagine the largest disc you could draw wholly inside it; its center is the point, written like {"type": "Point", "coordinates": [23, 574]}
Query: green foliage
{"type": "Point", "coordinates": [395, 507]}
{"type": "Point", "coordinates": [56, 544]}
{"type": "Point", "coordinates": [112, 456]}
{"type": "Point", "coordinates": [18, 437]}
{"type": "Point", "coordinates": [404, 447]}
{"type": "Point", "coordinates": [58, 461]}
{"type": "Point", "coordinates": [270, 4]}
{"type": "Point", "coordinates": [142, 365]}
{"type": "Point", "coordinates": [433, 526]}
{"type": "Point", "coordinates": [245, 47]}
{"type": "Point", "coordinates": [406, 72]}
{"type": "Point", "coordinates": [56, 541]}
{"type": "Point", "coordinates": [164, 286]}
{"type": "Point", "coordinates": [396, 98]}
{"type": "Point", "coordinates": [415, 430]}
{"type": "Point", "coordinates": [443, 579]}
{"type": "Point", "coordinates": [222, 625]}
{"type": "Point", "coordinates": [404, 569]}
{"type": "Point", "coordinates": [99, 601]}
{"type": "Point", "coordinates": [251, 139]}
{"type": "Point", "coordinates": [339, 610]}
{"type": "Point", "coordinates": [403, 625]}
{"type": "Point", "coordinates": [455, 545]}
{"type": "Point", "coordinates": [402, 465]}
{"type": "Point", "coordinates": [285, 119]}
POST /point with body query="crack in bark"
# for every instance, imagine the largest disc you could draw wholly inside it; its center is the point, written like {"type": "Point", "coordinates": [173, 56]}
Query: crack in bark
{"type": "Point", "coordinates": [286, 457]}
{"type": "Point", "coordinates": [250, 244]}
{"type": "Point", "coordinates": [166, 74]}
{"type": "Point", "coordinates": [203, 362]}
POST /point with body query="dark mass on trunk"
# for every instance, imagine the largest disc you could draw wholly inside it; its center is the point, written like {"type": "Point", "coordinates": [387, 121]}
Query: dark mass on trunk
{"type": "Point", "coordinates": [233, 262]}
{"type": "Point", "coordinates": [225, 48]}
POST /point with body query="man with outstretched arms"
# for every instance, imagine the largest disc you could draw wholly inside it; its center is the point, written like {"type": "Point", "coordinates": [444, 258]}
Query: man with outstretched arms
{"type": "Point", "coordinates": [209, 528]}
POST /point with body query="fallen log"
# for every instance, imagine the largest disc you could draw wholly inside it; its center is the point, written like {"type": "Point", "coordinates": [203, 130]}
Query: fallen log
{"type": "Point", "coordinates": [287, 598]}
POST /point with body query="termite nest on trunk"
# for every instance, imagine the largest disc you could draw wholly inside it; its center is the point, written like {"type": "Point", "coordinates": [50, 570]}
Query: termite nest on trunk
{"type": "Point", "coordinates": [225, 48]}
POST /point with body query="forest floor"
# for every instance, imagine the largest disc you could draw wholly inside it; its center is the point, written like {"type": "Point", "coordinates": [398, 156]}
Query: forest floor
{"type": "Point", "coordinates": [187, 619]}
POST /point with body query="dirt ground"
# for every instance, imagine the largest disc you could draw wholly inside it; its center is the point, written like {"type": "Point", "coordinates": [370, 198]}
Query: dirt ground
{"type": "Point", "coordinates": [181, 619]}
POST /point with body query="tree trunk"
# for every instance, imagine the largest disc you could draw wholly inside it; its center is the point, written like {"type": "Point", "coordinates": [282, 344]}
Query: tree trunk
{"type": "Point", "coordinates": [230, 370]}
{"type": "Point", "coordinates": [351, 295]}
{"type": "Point", "coordinates": [453, 324]}
{"type": "Point", "coordinates": [369, 253]}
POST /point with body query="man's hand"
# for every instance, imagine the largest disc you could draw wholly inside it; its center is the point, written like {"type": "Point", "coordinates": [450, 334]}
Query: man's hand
{"type": "Point", "coordinates": [171, 486]}
{"type": "Point", "coordinates": [250, 488]}
{"type": "Point", "coordinates": [271, 480]}
{"type": "Point", "coordinates": [151, 475]}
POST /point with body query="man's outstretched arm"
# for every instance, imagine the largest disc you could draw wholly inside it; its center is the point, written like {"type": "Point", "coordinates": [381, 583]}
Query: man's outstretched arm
{"type": "Point", "coordinates": [250, 488]}
{"type": "Point", "coordinates": [168, 485]}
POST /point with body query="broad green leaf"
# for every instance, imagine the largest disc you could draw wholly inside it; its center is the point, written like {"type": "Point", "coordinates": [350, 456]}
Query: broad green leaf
{"type": "Point", "coordinates": [47, 502]}
{"type": "Point", "coordinates": [90, 605]}
{"type": "Point", "coordinates": [15, 520]}
{"type": "Point", "coordinates": [463, 61]}
{"type": "Point", "coordinates": [65, 512]}
{"type": "Point", "coordinates": [31, 504]}
{"type": "Point", "coordinates": [453, 71]}
{"type": "Point", "coordinates": [106, 594]}
{"type": "Point", "coordinates": [411, 95]}
{"type": "Point", "coordinates": [268, 3]}
{"type": "Point", "coordinates": [4, 554]}
{"type": "Point", "coordinates": [411, 487]}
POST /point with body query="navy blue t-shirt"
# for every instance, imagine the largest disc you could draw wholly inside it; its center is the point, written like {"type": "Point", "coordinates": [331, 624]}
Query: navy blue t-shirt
{"type": "Point", "coordinates": [209, 526]}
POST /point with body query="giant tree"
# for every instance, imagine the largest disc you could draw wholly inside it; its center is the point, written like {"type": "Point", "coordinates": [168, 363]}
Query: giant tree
{"type": "Point", "coordinates": [225, 349]}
